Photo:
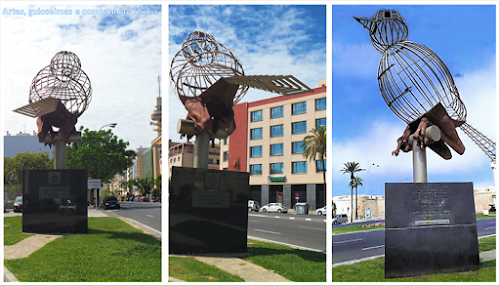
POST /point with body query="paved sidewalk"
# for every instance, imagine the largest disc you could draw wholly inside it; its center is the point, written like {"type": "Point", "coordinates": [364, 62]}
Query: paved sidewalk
{"type": "Point", "coordinates": [237, 266]}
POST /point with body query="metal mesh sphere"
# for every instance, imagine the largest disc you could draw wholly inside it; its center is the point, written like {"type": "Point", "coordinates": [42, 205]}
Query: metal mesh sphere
{"type": "Point", "coordinates": [63, 79]}
{"type": "Point", "coordinates": [386, 29]}
{"type": "Point", "coordinates": [66, 63]}
{"type": "Point", "coordinates": [200, 63]}
{"type": "Point", "coordinates": [413, 79]}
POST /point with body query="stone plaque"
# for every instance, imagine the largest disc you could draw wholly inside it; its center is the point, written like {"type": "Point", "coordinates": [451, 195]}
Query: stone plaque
{"type": "Point", "coordinates": [208, 211]}
{"type": "Point", "coordinates": [55, 201]}
{"type": "Point", "coordinates": [430, 228]}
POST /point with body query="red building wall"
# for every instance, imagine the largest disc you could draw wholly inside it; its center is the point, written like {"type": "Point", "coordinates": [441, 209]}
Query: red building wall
{"type": "Point", "coordinates": [238, 140]}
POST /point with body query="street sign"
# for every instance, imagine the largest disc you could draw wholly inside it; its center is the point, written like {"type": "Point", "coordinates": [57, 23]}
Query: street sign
{"type": "Point", "coordinates": [297, 195]}
{"type": "Point", "coordinates": [94, 184]}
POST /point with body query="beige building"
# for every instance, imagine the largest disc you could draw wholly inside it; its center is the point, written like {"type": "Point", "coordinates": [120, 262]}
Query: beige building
{"type": "Point", "coordinates": [484, 198]}
{"type": "Point", "coordinates": [267, 143]}
{"type": "Point", "coordinates": [182, 155]}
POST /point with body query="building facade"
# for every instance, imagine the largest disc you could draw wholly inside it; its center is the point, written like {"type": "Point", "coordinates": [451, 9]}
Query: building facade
{"type": "Point", "coordinates": [267, 143]}
{"type": "Point", "coordinates": [182, 155]}
{"type": "Point", "coordinates": [23, 142]}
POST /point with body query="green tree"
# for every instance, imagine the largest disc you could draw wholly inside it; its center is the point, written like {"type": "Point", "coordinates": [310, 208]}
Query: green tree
{"type": "Point", "coordinates": [354, 184]}
{"type": "Point", "coordinates": [145, 184]}
{"type": "Point", "coordinates": [13, 169]}
{"type": "Point", "coordinates": [315, 146]}
{"type": "Point", "coordinates": [101, 153]}
{"type": "Point", "coordinates": [157, 184]}
{"type": "Point", "coordinates": [351, 168]}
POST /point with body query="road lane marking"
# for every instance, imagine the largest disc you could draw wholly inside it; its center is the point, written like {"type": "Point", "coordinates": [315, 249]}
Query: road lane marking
{"type": "Point", "coordinates": [267, 231]}
{"type": "Point", "coordinates": [253, 220]}
{"type": "Point", "coordinates": [276, 217]}
{"type": "Point", "coordinates": [373, 247]}
{"type": "Point", "coordinates": [292, 218]}
{"type": "Point", "coordinates": [486, 228]}
{"type": "Point", "coordinates": [322, 229]}
{"type": "Point", "coordinates": [292, 245]}
{"type": "Point", "coordinates": [346, 241]}
{"type": "Point", "coordinates": [308, 219]}
{"type": "Point", "coordinates": [149, 215]}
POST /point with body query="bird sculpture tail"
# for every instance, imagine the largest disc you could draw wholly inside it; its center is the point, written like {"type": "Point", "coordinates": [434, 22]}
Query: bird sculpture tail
{"type": "Point", "coordinates": [485, 143]}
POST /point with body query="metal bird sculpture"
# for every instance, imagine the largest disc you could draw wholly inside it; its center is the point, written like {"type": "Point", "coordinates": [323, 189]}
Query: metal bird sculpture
{"type": "Point", "coordinates": [418, 87]}
{"type": "Point", "coordinates": [209, 79]}
{"type": "Point", "coordinates": [59, 94]}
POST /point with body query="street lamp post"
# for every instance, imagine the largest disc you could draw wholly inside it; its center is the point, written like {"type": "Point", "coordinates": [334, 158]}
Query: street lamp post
{"type": "Point", "coordinates": [112, 125]}
{"type": "Point", "coordinates": [368, 176]}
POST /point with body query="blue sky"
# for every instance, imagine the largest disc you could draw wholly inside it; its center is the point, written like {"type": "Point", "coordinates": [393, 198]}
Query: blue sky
{"type": "Point", "coordinates": [121, 54]}
{"type": "Point", "coordinates": [365, 129]}
{"type": "Point", "coordinates": [270, 40]}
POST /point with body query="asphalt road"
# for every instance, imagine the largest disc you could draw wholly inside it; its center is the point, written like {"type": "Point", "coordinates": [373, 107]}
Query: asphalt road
{"type": "Point", "coordinates": [305, 231]}
{"type": "Point", "coordinates": [146, 213]}
{"type": "Point", "coordinates": [360, 245]}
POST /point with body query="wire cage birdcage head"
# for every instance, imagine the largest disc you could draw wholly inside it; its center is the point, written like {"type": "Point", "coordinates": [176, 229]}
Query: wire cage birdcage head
{"type": "Point", "coordinates": [200, 63]}
{"type": "Point", "coordinates": [387, 27]}
{"type": "Point", "coordinates": [63, 79]}
{"type": "Point", "coordinates": [413, 79]}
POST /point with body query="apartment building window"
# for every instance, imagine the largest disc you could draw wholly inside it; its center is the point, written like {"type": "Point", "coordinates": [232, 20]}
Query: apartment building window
{"type": "Point", "coordinates": [256, 133]}
{"type": "Point", "coordinates": [277, 168]}
{"type": "Point", "coordinates": [256, 169]}
{"type": "Point", "coordinates": [226, 156]}
{"type": "Point", "coordinates": [321, 103]}
{"type": "Point", "coordinates": [256, 151]}
{"type": "Point", "coordinates": [299, 127]}
{"type": "Point", "coordinates": [299, 167]}
{"type": "Point", "coordinates": [319, 166]}
{"type": "Point", "coordinates": [320, 122]}
{"type": "Point", "coordinates": [276, 130]}
{"type": "Point", "coordinates": [277, 149]}
{"type": "Point", "coordinates": [277, 112]}
{"type": "Point", "coordinates": [298, 108]}
{"type": "Point", "coordinates": [297, 147]}
{"type": "Point", "coordinates": [256, 115]}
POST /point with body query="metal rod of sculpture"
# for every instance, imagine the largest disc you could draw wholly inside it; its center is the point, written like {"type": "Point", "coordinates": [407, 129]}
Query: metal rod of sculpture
{"type": "Point", "coordinates": [59, 94]}
{"type": "Point", "coordinates": [418, 87]}
{"type": "Point", "coordinates": [209, 79]}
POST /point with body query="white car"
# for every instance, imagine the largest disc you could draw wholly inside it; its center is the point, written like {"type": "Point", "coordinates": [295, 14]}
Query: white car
{"type": "Point", "coordinates": [321, 211]}
{"type": "Point", "coordinates": [274, 207]}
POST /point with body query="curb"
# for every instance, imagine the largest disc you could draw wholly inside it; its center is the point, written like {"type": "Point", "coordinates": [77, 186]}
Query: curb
{"type": "Point", "coordinates": [8, 276]}
{"type": "Point", "coordinates": [172, 279]}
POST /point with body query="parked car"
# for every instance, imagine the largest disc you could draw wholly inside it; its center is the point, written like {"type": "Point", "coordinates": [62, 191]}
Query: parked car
{"type": "Point", "coordinates": [110, 202]}
{"type": "Point", "coordinates": [253, 206]}
{"type": "Point", "coordinates": [156, 199]}
{"type": "Point", "coordinates": [339, 219]}
{"type": "Point", "coordinates": [18, 204]}
{"type": "Point", "coordinates": [321, 211]}
{"type": "Point", "coordinates": [274, 207]}
{"type": "Point", "coordinates": [144, 199]}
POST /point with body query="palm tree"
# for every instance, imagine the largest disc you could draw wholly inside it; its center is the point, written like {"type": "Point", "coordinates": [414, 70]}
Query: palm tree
{"type": "Point", "coordinates": [314, 145]}
{"type": "Point", "coordinates": [352, 168]}
{"type": "Point", "coordinates": [354, 184]}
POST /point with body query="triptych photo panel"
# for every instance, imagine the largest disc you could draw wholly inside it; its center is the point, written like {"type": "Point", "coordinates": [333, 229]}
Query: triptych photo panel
{"type": "Point", "coordinates": [328, 142]}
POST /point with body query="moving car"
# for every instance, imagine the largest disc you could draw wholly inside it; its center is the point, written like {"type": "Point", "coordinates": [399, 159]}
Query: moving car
{"type": "Point", "coordinates": [321, 211]}
{"type": "Point", "coordinates": [274, 207]}
{"type": "Point", "coordinates": [110, 202]}
{"type": "Point", "coordinates": [339, 219]}
{"type": "Point", "coordinates": [253, 206]}
{"type": "Point", "coordinates": [18, 204]}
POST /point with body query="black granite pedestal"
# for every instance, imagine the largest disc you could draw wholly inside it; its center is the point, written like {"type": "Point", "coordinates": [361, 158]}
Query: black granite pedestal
{"type": "Point", "coordinates": [55, 201]}
{"type": "Point", "coordinates": [208, 211]}
{"type": "Point", "coordinates": [430, 228]}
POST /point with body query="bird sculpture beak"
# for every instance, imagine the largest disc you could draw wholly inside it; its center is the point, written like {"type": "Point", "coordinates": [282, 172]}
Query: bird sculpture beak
{"type": "Point", "coordinates": [364, 21]}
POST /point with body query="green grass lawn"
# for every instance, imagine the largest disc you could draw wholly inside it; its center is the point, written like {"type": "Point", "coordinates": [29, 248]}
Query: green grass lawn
{"type": "Point", "coordinates": [354, 228]}
{"type": "Point", "coordinates": [374, 271]}
{"type": "Point", "coordinates": [112, 251]}
{"type": "Point", "coordinates": [491, 215]}
{"type": "Point", "coordinates": [13, 230]}
{"type": "Point", "coordinates": [294, 264]}
{"type": "Point", "coordinates": [192, 270]}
